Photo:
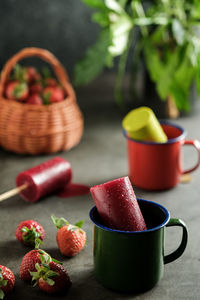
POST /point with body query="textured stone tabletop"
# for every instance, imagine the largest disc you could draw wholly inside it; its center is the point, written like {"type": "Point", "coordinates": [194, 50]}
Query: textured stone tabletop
{"type": "Point", "coordinates": [101, 156]}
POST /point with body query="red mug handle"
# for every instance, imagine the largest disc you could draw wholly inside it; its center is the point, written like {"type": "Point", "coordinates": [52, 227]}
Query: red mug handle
{"type": "Point", "coordinates": [196, 144]}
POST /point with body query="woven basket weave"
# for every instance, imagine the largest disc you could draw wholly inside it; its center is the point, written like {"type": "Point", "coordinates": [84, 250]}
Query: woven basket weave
{"type": "Point", "coordinates": [36, 129]}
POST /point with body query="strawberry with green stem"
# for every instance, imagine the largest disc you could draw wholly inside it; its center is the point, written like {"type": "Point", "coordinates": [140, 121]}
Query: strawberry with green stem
{"type": "Point", "coordinates": [30, 260]}
{"type": "Point", "coordinates": [7, 281]}
{"type": "Point", "coordinates": [16, 90]}
{"type": "Point", "coordinates": [29, 232]}
{"type": "Point", "coordinates": [53, 94]}
{"type": "Point", "coordinates": [70, 238]}
{"type": "Point", "coordinates": [51, 276]}
{"type": "Point", "coordinates": [25, 74]}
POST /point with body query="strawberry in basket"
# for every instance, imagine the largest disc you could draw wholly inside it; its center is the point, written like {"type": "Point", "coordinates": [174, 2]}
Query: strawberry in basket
{"type": "Point", "coordinates": [28, 85]}
{"type": "Point", "coordinates": [16, 90]}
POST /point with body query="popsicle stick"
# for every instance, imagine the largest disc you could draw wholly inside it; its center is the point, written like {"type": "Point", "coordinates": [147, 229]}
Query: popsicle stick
{"type": "Point", "coordinates": [13, 192]}
{"type": "Point", "coordinates": [185, 178]}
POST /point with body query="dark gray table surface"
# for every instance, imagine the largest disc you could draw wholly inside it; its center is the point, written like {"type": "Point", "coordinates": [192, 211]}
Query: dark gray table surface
{"type": "Point", "coordinates": [101, 156]}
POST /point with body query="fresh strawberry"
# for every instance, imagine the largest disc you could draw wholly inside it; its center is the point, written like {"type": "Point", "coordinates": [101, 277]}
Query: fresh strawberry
{"type": "Point", "coordinates": [29, 261]}
{"type": "Point", "coordinates": [35, 88]}
{"type": "Point", "coordinates": [35, 99]}
{"type": "Point", "coordinates": [29, 232]}
{"type": "Point", "coordinates": [16, 90]}
{"type": "Point", "coordinates": [70, 238]}
{"type": "Point", "coordinates": [25, 74]}
{"type": "Point", "coordinates": [51, 277]}
{"type": "Point", "coordinates": [53, 94]}
{"type": "Point", "coordinates": [32, 75]}
{"type": "Point", "coordinates": [7, 281]}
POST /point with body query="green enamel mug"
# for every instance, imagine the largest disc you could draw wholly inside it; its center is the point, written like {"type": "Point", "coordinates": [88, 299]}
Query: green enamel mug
{"type": "Point", "coordinates": [133, 261]}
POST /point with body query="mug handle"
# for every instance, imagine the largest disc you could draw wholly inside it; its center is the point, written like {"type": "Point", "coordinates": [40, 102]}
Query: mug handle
{"type": "Point", "coordinates": [179, 251]}
{"type": "Point", "coordinates": [196, 144]}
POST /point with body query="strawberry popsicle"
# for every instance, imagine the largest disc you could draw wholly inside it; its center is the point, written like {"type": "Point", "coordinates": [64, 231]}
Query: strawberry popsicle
{"type": "Point", "coordinates": [44, 179]}
{"type": "Point", "coordinates": [117, 205]}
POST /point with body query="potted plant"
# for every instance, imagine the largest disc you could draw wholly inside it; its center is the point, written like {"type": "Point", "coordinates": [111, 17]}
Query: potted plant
{"type": "Point", "coordinates": [166, 35]}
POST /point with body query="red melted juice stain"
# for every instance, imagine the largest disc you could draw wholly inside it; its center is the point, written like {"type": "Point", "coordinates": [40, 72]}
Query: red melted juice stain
{"type": "Point", "coordinates": [73, 189]}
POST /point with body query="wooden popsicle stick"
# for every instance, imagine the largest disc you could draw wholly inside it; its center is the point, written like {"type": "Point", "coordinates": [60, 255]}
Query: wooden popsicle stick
{"type": "Point", "coordinates": [13, 192]}
{"type": "Point", "coordinates": [185, 178]}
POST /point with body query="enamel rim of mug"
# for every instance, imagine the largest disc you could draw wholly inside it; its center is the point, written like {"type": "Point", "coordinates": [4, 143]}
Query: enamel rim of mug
{"type": "Point", "coordinates": [137, 232]}
{"type": "Point", "coordinates": [170, 141]}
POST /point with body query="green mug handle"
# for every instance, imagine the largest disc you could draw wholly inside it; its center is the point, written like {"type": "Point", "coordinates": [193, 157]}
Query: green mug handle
{"type": "Point", "coordinates": [178, 252]}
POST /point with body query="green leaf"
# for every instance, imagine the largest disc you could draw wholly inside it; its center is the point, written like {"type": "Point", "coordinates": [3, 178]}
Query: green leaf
{"type": "Point", "coordinates": [180, 87]}
{"type": "Point", "coordinates": [120, 30]}
{"type": "Point", "coordinates": [37, 266]}
{"type": "Point", "coordinates": [19, 89]}
{"type": "Point", "coordinates": [46, 73]}
{"type": "Point", "coordinates": [122, 3]}
{"type": "Point", "coordinates": [197, 75]}
{"type": "Point", "coordinates": [1, 294]}
{"type": "Point", "coordinates": [4, 282]}
{"type": "Point", "coordinates": [31, 236]}
{"type": "Point", "coordinates": [181, 97]}
{"type": "Point", "coordinates": [194, 51]}
{"type": "Point", "coordinates": [24, 229]}
{"type": "Point", "coordinates": [37, 243]}
{"type": "Point", "coordinates": [19, 73]}
{"type": "Point", "coordinates": [94, 61]}
{"type": "Point", "coordinates": [57, 261]}
{"type": "Point", "coordinates": [46, 98]}
{"type": "Point", "coordinates": [101, 18]}
{"type": "Point", "coordinates": [80, 223]}
{"type": "Point", "coordinates": [52, 274]}
{"type": "Point", "coordinates": [153, 62]}
{"type": "Point", "coordinates": [95, 3]}
{"type": "Point", "coordinates": [114, 5]}
{"type": "Point", "coordinates": [166, 76]}
{"type": "Point", "coordinates": [159, 35]}
{"type": "Point", "coordinates": [59, 222]}
{"type": "Point", "coordinates": [42, 259]}
{"type": "Point", "coordinates": [162, 70]}
{"type": "Point", "coordinates": [50, 281]}
{"type": "Point", "coordinates": [178, 32]}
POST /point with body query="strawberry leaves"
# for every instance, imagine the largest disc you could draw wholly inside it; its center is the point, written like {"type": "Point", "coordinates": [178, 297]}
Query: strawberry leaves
{"type": "Point", "coordinates": [46, 98]}
{"type": "Point", "coordinates": [80, 223]}
{"type": "Point", "coordinates": [2, 283]}
{"type": "Point", "coordinates": [60, 222]}
{"type": "Point", "coordinates": [43, 271]}
{"type": "Point", "coordinates": [31, 236]}
{"type": "Point", "coordinates": [19, 90]}
{"type": "Point", "coordinates": [1, 294]}
{"type": "Point", "coordinates": [19, 73]}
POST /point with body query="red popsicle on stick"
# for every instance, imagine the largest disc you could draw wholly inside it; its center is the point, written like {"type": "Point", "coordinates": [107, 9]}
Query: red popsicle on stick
{"type": "Point", "coordinates": [117, 205]}
{"type": "Point", "coordinates": [52, 176]}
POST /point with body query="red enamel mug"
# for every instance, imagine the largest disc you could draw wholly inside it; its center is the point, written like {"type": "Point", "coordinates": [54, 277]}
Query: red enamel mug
{"type": "Point", "coordinates": [158, 166]}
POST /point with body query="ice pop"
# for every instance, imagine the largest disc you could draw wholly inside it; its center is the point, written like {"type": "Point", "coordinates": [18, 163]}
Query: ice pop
{"type": "Point", "coordinates": [52, 176]}
{"type": "Point", "coordinates": [44, 179]}
{"type": "Point", "coordinates": [141, 124]}
{"type": "Point", "coordinates": [117, 205]}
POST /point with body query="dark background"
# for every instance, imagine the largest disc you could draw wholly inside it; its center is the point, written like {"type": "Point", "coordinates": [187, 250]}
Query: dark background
{"type": "Point", "coordinates": [63, 27]}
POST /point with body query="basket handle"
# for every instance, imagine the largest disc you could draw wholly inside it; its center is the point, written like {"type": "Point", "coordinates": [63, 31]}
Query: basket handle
{"type": "Point", "coordinates": [46, 56]}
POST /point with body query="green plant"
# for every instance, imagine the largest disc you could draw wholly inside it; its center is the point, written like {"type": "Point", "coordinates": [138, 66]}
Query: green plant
{"type": "Point", "coordinates": [168, 41]}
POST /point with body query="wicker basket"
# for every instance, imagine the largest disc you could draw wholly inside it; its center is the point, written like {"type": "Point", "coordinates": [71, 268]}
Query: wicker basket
{"type": "Point", "coordinates": [36, 129]}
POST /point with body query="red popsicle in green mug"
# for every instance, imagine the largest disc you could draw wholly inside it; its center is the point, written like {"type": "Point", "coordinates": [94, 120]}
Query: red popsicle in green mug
{"type": "Point", "coordinates": [117, 205]}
